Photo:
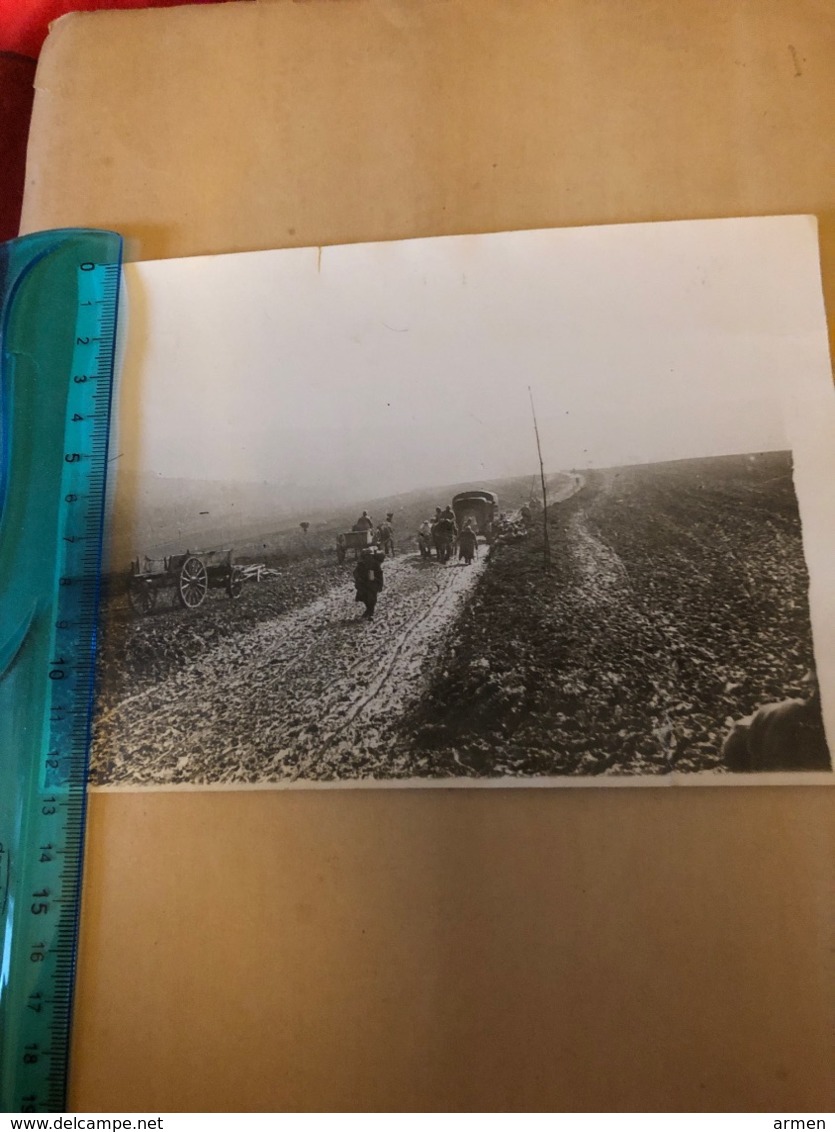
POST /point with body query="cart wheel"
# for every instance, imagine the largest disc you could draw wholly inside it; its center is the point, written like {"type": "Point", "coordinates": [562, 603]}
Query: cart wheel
{"type": "Point", "coordinates": [192, 583]}
{"type": "Point", "coordinates": [234, 585]}
{"type": "Point", "coordinates": [142, 597]}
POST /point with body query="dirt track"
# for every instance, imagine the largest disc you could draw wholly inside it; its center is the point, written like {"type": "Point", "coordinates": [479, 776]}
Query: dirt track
{"type": "Point", "coordinates": [676, 605]}
{"type": "Point", "coordinates": [310, 692]}
{"type": "Point", "coordinates": [314, 693]}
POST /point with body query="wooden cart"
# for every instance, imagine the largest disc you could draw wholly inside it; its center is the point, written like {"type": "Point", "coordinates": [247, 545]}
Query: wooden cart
{"type": "Point", "coordinates": [190, 575]}
{"type": "Point", "coordinates": [354, 540]}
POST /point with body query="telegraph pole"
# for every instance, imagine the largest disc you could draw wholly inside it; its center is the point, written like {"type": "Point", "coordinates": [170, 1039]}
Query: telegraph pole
{"type": "Point", "coordinates": [546, 548]}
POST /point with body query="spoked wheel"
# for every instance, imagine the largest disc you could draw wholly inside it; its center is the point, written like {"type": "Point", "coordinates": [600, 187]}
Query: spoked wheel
{"type": "Point", "coordinates": [234, 585]}
{"type": "Point", "coordinates": [142, 597]}
{"type": "Point", "coordinates": [192, 583]}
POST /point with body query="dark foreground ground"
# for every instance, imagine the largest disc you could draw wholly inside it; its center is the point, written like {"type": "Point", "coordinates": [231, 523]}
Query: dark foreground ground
{"type": "Point", "coordinates": [676, 601]}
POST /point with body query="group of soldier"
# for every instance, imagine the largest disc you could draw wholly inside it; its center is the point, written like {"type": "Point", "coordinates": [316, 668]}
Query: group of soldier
{"type": "Point", "coordinates": [443, 534]}
{"type": "Point", "coordinates": [759, 742]}
{"type": "Point", "coordinates": [440, 532]}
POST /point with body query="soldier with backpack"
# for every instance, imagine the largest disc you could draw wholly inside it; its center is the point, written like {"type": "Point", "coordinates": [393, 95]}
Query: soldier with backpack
{"type": "Point", "coordinates": [368, 579]}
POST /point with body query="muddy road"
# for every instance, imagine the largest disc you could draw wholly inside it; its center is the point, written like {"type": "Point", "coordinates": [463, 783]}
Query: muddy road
{"type": "Point", "coordinates": [310, 692]}
{"type": "Point", "coordinates": [316, 693]}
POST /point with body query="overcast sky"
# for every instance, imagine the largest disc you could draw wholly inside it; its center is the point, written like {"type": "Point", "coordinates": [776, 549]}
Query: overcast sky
{"type": "Point", "coordinates": [394, 366]}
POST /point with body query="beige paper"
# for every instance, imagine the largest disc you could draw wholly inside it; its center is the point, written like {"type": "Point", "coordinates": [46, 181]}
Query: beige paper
{"type": "Point", "coordinates": [511, 950]}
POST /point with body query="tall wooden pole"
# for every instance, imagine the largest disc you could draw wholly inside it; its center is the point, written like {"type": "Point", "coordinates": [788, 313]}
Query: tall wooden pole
{"type": "Point", "coordinates": [546, 548]}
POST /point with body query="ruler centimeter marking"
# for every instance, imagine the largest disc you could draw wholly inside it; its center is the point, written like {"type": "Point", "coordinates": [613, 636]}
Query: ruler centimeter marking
{"type": "Point", "coordinates": [59, 323]}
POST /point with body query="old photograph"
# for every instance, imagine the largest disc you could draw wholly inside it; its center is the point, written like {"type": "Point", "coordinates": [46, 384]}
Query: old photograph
{"type": "Point", "coordinates": [532, 508]}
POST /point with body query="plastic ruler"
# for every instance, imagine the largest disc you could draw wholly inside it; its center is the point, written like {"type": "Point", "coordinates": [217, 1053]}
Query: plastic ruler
{"type": "Point", "coordinates": [59, 295]}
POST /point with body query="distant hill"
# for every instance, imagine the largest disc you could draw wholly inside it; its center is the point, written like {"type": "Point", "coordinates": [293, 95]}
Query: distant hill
{"type": "Point", "coordinates": [155, 516]}
{"type": "Point", "coordinates": [776, 463]}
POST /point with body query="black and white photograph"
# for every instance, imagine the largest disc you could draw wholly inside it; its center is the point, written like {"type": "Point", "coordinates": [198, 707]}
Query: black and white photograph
{"type": "Point", "coordinates": [540, 508]}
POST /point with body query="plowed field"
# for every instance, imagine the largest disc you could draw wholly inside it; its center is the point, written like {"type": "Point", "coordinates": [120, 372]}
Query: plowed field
{"type": "Point", "coordinates": [676, 601]}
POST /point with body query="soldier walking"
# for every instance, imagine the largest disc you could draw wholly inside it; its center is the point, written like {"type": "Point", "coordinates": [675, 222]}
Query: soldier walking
{"type": "Point", "coordinates": [368, 579]}
{"type": "Point", "coordinates": [385, 535]}
{"type": "Point", "coordinates": [467, 543]}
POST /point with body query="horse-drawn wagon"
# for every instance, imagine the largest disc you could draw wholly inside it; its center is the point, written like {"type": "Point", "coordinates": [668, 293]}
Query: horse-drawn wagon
{"type": "Point", "coordinates": [353, 540]}
{"type": "Point", "coordinates": [191, 576]}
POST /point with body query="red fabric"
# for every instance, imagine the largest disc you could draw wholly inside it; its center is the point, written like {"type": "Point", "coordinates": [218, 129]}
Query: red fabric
{"type": "Point", "coordinates": [24, 23]}
{"type": "Point", "coordinates": [16, 91]}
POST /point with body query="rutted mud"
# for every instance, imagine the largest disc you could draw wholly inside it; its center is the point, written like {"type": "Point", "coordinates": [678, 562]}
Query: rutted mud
{"type": "Point", "coordinates": [316, 693]}
{"type": "Point", "coordinates": [601, 578]}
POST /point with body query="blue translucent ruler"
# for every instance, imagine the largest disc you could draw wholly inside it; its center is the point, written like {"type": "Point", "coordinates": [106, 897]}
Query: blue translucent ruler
{"type": "Point", "coordinates": [58, 301]}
